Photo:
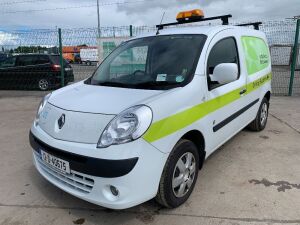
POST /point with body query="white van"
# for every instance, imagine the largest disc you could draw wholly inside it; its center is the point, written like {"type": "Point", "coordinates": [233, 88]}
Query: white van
{"type": "Point", "coordinates": [154, 110]}
{"type": "Point", "coordinates": [89, 56]}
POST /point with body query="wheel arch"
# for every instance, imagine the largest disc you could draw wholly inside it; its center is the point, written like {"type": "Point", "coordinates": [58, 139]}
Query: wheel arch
{"type": "Point", "coordinates": [197, 138]}
{"type": "Point", "coordinates": [268, 95]}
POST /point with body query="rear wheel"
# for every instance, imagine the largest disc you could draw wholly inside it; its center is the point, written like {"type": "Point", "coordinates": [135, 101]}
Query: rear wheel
{"type": "Point", "coordinates": [43, 84]}
{"type": "Point", "coordinates": [260, 122]}
{"type": "Point", "coordinates": [179, 175]}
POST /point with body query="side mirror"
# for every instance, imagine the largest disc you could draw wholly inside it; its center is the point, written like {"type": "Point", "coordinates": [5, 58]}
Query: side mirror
{"type": "Point", "coordinates": [225, 73]}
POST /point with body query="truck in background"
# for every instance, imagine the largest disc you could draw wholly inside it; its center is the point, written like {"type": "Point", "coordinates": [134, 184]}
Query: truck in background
{"type": "Point", "coordinates": [72, 53]}
{"type": "Point", "coordinates": [89, 56]}
{"type": "Point", "coordinates": [69, 57]}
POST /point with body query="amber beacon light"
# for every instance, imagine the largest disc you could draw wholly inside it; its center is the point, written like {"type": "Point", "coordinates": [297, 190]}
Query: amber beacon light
{"type": "Point", "coordinates": [190, 15]}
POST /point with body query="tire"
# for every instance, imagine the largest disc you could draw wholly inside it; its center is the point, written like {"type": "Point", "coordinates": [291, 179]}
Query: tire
{"type": "Point", "coordinates": [176, 185]}
{"type": "Point", "coordinates": [43, 84]}
{"type": "Point", "coordinates": [260, 122]}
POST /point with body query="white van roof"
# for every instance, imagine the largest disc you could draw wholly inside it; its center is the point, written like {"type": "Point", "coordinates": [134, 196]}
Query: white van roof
{"type": "Point", "coordinates": [206, 30]}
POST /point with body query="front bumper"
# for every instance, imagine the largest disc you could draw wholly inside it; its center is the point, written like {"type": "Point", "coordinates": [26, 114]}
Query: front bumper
{"type": "Point", "coordinates": [136, 177]}
{"type": "Point", "coordinates": [87, 165]}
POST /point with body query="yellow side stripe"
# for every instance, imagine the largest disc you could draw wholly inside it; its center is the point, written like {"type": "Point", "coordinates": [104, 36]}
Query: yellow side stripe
{"type": "Point", "coordinates": [171, 124]}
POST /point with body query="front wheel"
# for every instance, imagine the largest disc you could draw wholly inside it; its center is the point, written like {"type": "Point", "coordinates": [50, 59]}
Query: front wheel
{"type": "Point", "coordinates": [260, 121]}
{"type": "Point", "coordinates": [179, 175]}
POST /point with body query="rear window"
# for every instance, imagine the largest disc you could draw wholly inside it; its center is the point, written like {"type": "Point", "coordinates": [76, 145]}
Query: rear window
{"type": "Point", "coordinates": [55, 59]}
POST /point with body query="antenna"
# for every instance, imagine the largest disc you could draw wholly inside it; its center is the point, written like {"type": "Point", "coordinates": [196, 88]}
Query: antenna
{"type": "Point", "coordinates": [157, 32]}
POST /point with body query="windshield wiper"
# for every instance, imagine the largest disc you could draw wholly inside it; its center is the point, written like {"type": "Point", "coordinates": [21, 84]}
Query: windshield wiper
{"type": "Point", "coordinates": [146, 85]}
{"type": "Point", "coordinates": [156, 84]}
{"type": "Point", "coordinates": [112, 84]}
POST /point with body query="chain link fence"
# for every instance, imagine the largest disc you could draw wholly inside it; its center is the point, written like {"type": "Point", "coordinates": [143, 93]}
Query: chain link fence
{"type": "Point", "coordinates": [84, 51]}
{"type": "Point", "coordinates": [281, 37]}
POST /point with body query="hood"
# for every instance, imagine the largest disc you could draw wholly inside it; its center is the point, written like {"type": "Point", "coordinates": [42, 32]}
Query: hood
{"type": "Point", "coordinates": [81, 97]}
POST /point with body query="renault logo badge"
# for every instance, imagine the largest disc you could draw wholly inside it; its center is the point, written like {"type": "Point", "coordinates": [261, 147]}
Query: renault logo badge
{"type": "Point", "coordinates": [61, 121]}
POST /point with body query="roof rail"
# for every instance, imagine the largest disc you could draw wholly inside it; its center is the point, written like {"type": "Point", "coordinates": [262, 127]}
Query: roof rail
{"type": "Point", "coordinates": [255, 25]}
{"type": "Point", "coordinates": [224, 19]}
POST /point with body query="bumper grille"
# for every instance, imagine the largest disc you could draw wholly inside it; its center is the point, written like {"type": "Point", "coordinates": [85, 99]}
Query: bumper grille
{"type": "Point", "coordinates": [74, 180]}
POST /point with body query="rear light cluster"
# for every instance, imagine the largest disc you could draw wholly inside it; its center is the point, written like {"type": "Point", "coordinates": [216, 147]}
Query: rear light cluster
{"type": "Point", "coordinates": [55, 67]}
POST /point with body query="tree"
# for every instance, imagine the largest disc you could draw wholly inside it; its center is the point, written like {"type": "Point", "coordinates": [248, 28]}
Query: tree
{"type": "Point", "coordinates": [29, 49]}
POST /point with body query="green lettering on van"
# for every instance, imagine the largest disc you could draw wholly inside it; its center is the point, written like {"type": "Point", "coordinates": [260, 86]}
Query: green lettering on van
{"type": "Point", "coordinates": [256, 53]}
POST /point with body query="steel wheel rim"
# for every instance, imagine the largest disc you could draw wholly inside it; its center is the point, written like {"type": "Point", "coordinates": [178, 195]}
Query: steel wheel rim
{"type": "Point", "coordinates": [263, 114]}
{"type": "Point", "coordinates": [184, 174]}
{"type": "Point", "coordinates": [43, 84]}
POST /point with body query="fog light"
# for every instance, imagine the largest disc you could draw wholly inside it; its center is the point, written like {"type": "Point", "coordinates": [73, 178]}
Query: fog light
{"type": "Point", "coordinates": [114, 190]}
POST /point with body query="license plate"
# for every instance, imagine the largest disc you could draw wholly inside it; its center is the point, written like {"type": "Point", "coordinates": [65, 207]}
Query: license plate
{"type": "Point", "coordinates": [57, 163]}
{"type": "Point", "coordinates": [68, 69]}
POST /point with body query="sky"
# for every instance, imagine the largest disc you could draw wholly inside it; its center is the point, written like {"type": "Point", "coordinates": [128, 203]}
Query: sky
{"type": "Point", "coordinates": [14, 14]}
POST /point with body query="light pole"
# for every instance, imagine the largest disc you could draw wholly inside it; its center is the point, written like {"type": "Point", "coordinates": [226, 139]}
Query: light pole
{"type": "Point", "coordinates": [98, 14]}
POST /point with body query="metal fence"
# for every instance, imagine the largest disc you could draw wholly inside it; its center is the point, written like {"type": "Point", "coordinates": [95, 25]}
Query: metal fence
{"type": "Point", "coordinates": [294, 85]}
{"type": "Point", "coordinates": [84, 50]}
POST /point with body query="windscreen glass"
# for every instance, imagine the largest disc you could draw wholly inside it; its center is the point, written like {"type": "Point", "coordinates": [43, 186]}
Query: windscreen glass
{"type": "Point", "coordinates": [160, 62]}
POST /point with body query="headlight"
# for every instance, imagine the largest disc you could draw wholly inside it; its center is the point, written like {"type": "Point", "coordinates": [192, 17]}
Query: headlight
{"type": "Point", "coordinates": [129, 125]}
{"type": "Point", "coordinates": [40, 109]}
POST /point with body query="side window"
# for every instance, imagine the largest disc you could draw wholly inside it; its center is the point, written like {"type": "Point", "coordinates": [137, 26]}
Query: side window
{"type": "Point", "coordinates": [9, 62]}
{"type": "Point", "coordinates": [42, 59]}
{"type": "Point", "coordinates": [28, 60]}
{"type": "Point", "coordinates": [129, 61]}
{"type": "Point", "coordinates": [225, 51]}
{"type": "Point", "coordinates": [257, 54]}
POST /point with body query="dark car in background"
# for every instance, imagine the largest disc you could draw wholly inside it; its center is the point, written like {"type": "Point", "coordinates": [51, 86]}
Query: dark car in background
{"type": "Point", "coordinates": [33, 71]}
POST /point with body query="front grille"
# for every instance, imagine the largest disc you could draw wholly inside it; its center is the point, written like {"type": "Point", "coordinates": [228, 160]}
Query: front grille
{"type": "Point", "coordinates": [74, 180]}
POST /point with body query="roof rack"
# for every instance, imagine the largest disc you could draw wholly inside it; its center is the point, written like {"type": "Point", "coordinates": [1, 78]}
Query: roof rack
{"type": "Point", "coordinates": [224, 19]}
{"type": "Point", "coordinates": [255, 25]}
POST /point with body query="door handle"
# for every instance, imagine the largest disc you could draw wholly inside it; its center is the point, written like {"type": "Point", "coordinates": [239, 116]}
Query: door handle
{"type": "Point", "coordinates": [243, 91]}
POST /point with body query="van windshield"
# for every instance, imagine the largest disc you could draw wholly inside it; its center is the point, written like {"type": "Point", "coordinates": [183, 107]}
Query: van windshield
{"type": "Point", "coordinates": [159, 62]}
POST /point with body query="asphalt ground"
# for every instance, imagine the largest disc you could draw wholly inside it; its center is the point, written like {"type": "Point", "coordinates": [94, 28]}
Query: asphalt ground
{"type": "Point", "coordinates": [252, 179]}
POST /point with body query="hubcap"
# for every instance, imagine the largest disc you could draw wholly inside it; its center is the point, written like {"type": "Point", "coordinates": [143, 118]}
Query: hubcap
{"type": "Point", "coordinates": [184, 174]}
{"type": "Point", "coordinates": [264, 114]}
{"type": "Point", "coordinates": [43, 84]}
